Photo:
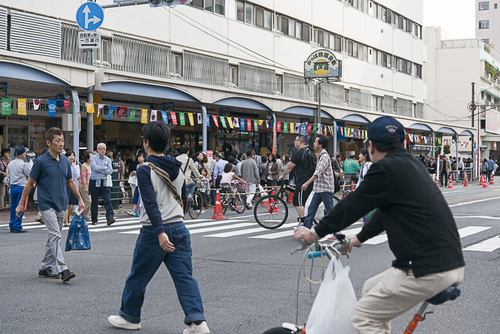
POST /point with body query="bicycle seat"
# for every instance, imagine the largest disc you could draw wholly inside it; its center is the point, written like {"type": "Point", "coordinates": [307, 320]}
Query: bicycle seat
{"type": "Point", "coordinates": [449, 294]}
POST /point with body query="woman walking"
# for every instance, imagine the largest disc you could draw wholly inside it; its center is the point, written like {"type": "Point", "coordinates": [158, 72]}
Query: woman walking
{"type": "Point", "coordinates": [272, 170]}
{"type": "Point", "coordinates": [83, 187]}
{"type": "Point", "coordinates": [75, 175]}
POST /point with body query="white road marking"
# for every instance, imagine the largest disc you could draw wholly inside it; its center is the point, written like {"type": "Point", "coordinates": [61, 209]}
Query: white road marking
{"type": "Point", "coordinates": [488, 245]}
{"type": "Point", "coordinates": [470, 230]}
{"type": "Point", "coordinates": [248, 231]}
{"type": "Point", "coordinates": [472, 202]}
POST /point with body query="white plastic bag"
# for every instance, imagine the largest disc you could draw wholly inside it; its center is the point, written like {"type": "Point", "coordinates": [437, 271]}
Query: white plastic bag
{"type": "Point", "coordinates": [334, 302]}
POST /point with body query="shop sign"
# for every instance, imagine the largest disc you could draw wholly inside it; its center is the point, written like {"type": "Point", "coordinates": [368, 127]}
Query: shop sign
{"type": "Point", "coordinates": [225, 112]}
{"type": "Point", "coordinates": [322, 64]}
{"type": "Point", "coordinates": [3, 89]}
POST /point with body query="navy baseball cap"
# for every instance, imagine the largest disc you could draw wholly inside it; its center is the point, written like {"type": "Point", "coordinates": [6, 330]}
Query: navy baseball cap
{"type": "Point", "coordinates": [20, 150]}
{"type": "Point", "coordinates": [386, 130]}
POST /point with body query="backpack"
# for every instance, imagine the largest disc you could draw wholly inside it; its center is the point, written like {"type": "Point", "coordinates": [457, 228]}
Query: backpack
{"type": "Point", "coordinates": [311, 157]}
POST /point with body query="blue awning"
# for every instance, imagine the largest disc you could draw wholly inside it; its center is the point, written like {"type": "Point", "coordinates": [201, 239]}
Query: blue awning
{"type": "Point", "coordinates": [447, 131]}
{"type": "Point", "coordinates": [466, 133]}
{"type": "Point", "coordinates": [241, 102]}
{"type": "Point", "coordinates": [356, 118]}
{"type": "Point", "coordinates": [306, 111]}
{"type": "Point", "coordinates": [419, 126]}
{"type": "Point", "coordinates": [138, 89]}
{"type": "Point", "coordinates": [22, 72]}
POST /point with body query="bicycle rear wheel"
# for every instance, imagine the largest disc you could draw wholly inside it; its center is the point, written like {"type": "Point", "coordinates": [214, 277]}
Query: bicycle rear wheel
{"type": "Point", "coordinates": [270, 212]}
{"type": "Point", "coordinates": [195, 207]}
{"type": "Point", "coordinates": [241, 202]}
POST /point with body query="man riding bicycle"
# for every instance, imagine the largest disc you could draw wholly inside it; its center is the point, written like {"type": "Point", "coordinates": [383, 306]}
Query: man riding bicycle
{"type": "Point", "coordinates": [421, 233]}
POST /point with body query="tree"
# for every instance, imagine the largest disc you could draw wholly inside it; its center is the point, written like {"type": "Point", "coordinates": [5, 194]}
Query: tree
{"type": "Point", "coordinates": [446, 149]}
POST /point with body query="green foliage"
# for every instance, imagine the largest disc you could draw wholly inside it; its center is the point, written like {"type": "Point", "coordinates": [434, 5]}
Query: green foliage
{"type": "Point", "coordinates": [446, 149]}
{"type": "Point", "coordinates": [491, 70]}
{"type": "Point", "coordinates": [438, 150]}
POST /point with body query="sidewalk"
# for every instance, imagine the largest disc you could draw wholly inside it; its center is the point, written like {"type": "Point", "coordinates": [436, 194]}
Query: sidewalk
{"type": "Point", "coordinates": [32, 211]}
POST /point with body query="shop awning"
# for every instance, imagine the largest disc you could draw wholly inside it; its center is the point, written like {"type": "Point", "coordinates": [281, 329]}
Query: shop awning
{"type": "Point", "coordinates": [466, 133]}
{"type": "Point", "coordinates": [356, 118]}
{"type": "Point", "coordinates": [306, 111]}
{"type": "Point", "coordinates": [20, 72]}
{"type": "Point", "coordinates": [240, 102]}
{"type": "Point", "coordinates": [138, 89]}
{"type": "Point", "coordinates": [447, 131]}
{"type": "Point", "coordinates": [419, 126]}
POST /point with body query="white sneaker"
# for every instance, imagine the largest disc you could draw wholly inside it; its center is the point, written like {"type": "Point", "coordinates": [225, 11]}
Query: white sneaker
{"type": "Point", "coordinates": [197, 329]}
{"type": "Point", "coordinates": [119, 322]}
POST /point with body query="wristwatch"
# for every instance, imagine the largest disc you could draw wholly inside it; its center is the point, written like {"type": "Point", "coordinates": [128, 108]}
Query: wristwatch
{"type": "Point", "coordinates": [313, 232]}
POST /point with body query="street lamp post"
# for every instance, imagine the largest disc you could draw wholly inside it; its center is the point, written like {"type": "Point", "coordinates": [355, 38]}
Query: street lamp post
{"type": "Point", "coordinates": [479, 126]}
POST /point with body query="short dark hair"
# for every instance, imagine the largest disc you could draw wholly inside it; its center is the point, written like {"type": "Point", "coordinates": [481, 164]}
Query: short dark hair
{"type": "Point", "coordinates": [381, 147]}
{"type": "Point", "coordinates": [278, 156]}
{"type": "Point", "coordinates": [230, 159]}
{"type": "Point", "coordinates": [263, 159]}
{"type": "Point", "coordinates": [68, 153]}
{"type": "Point", "coordinates": [158, 135]}
{"type": "Point", "coordinates": [233, 154]}
{"type": "Point", "coordinates": [141, 153]}
{"type": "Point", "coordinates": [217, 155]}
{"type": "Point", "coordinates": [352, 156]}
{"type": "Point", "coordinates": [302, 138]}
{"type": "Point", "coordinates": [51, 133]}
{"type": "Point", "coordinates": [322, 140]}
{"type": "Point", "coordinates": [364, 151]}
{"type": "Point", "coordinates": [5, 150]}
{"type": "Point", "coordinates": [86, 155]}
{"type": "Point", "coordinates": [249, 153]}
{"type": "Point", "coordinates": [228, 167]}
{"type": "Point", "coordinates": [184, 149]}
{"type": "Point", "coordinates": [115, 154]}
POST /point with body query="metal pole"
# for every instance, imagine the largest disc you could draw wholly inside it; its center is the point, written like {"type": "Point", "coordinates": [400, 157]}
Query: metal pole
{"type": "Point", "coordinates": [478, 140]}
{"type": "Point", "coordinates": [434, 145]}
{"type": "Point", "coordinates": [76, 119]}
{"type": "Point", "coordinates": [204, 127]}
{"type": "Point", "coordinates": [318, 114]}
{"type": "Point", "coordinates": [472, 174]}
{"type": "Point", "coordinates": [274, 133]}
{"type": "Point", "coordinates": [335, 138]}
{"type": "Point", "coordinates": [90, 121]}
{"type": "Point", "coordinates": [456, 155]}
{"type": "Point", "coordinates": [472, 106]}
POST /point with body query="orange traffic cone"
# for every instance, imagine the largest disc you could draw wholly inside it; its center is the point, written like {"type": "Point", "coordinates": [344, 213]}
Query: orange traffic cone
{"type": "Point", "coordinates": [466, 181]}
{"type": "Point", "coordinates": [485, 182]}
{"type": "Point", "coordinates": [436, 180]}
{"type": "Point", "coordinates": [491, 179]}
{"type": "Point", "coordinates": [290, 198]}
{"type": "Point", "coordinates": [218, 208]}
{"type": "Point", "coordinates": [481, 180]}
{"type": "Point", "coordinates": [352, 186]}
{"type": "Point", "coordinates": [275, 209]}
{"type": "Point", "coordinates": [450, 183]}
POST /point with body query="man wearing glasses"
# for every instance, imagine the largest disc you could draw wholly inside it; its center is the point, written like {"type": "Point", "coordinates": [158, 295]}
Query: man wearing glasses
{"type": "Point", "coordinates": [100, 184]}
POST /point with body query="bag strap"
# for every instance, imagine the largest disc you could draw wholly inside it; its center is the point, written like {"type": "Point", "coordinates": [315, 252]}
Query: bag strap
{"type": "Point", "coordinates": [187, 164]}
{"type": "Point", "coordinates": [164, 175]}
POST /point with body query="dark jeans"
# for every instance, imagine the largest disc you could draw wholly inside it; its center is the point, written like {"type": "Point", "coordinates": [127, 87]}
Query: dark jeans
{"type": "Point", "coordinates": [148, 256]}
{"type": "Point", "coordinates": [326, 198]}
{"type": "Point", "coordinates": [15, 197]}
{"type": "Point", "coordinates": [444, 179]}
{"type": "Point", "coordinates": [105, 192]}
{"type": "Point", "coordinates": [488, 175]}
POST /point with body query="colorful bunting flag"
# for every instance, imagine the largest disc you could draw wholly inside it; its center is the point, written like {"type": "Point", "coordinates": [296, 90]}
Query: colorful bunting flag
{"type": "Point", "coordinates": [249, 124]}
{"type": "Point", "coordinates": [164, 116]}
{"type": "Point", "coordinates": [236, 122]}
{"type": "Point", "coordinates": [223, 121]}
{"type": "Point", "coordinates": [36, 104]}
{"type": "Point", "coordinates": [200, 118]}
{"type": "Point", "coordinates": [111, 111]}
{"type": "Point", "coordinates": [182, 119]}
{"type": "Point", "coordinates": [131, 117]}
{"type": "Point", "coordinates": [89, 107]}
{"type": "Point", "coordinates": [173, 117]}
{"type": "Point", "coordinates": [255, 125]}
{"type": "Point", "coordinates": [191, 119]}
{"type": "Point", "coordinates": [6, 106]}
{"type": "Point", "coordinates": [154, 115]}
{"type": "Point", "coordinates": [66, 104]}
{"type": "Point", "coordinates": [52, 108]}
{"type": "Point", "coordinates": [21, 107]}
{"type": "Point", "coordinates": [144, 116]}
{"type": "Point", "coordinates": [285, 127]}
{"type": "Point", "coordinates": [120, 112]}
{"type": "Point", "coordinates": [230, 122]}
{"type": "Point", "coordinates": [214, 117]}
{"type": "Point", "coordinates": [278, 126]}
{"type": "Point", "coordinates": [309, 127]}
{"type": "Point", "coordinates": [242, 124]}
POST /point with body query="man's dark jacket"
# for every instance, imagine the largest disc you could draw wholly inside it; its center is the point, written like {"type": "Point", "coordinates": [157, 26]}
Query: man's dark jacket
{"type": "Point", "coordinates": [420, 227]}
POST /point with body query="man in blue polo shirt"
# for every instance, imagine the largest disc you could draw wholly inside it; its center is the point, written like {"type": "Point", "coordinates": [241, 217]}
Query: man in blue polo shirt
{"type": "Point", "coordinates": [52, 174]}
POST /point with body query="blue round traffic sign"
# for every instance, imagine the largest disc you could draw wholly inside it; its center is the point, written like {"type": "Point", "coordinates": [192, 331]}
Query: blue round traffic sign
{"type": "Point", "coordinates": [89, 16]}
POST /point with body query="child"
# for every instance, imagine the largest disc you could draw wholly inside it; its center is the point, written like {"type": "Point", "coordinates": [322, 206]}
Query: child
{"type": "Point", "coordinates": [225, 182]}
{"type": "Point", "coordinates": [205, 186]}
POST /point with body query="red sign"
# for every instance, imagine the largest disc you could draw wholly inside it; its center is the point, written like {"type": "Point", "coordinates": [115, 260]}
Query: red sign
{"type": "Point", "coordinates": [210, 154]}
{"type": "Point", "coordinates": [249, 124]}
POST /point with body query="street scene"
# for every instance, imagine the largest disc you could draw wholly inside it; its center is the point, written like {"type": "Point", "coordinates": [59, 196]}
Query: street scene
{"type": "Point", "coordinates": [233, 166]}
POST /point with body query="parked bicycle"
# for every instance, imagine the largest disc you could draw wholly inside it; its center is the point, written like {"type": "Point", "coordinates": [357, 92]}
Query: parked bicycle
{"type": "Point", "coordinates": [338, 248]}
{"type": "Point", "coordinates": [240, 199]}
{"type": "Point", "coordinates": [271, 211]}
{"type": "Point", "coordinates": [195, 205]}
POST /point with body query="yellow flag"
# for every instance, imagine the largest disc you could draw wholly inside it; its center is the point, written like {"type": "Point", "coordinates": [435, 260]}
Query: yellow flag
{"type": "Point", "coordinates": [191, 119]}
{"type": "Point", "coordinates": [90, 108]}
{"type": "Point", "coordinates": [260, 122]}
{"type": "Point", "coordinates": [144, 116]}
{"type": "Point", "coordinates": [292, 127]}
{"type": "Point", "coordinates": [21, 107]}
{"type": "Point", "coordinates": [230, 121]}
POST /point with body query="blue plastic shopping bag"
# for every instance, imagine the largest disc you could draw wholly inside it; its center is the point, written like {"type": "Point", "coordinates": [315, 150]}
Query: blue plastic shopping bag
{"type": "Point", "coordinates": [78, 234]}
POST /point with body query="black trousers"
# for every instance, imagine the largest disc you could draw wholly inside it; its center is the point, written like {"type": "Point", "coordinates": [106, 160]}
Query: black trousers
{"type": "Point", "coordinates": [444, 178]}
{"type": "Point", "coordinates": [105, 193]}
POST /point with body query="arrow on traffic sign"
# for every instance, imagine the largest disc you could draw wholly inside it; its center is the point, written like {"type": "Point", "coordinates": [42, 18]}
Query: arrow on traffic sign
{"type": "Point", "coordinates": [94, 20]}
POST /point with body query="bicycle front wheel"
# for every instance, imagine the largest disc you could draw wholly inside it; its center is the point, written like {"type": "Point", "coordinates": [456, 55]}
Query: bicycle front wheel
{"type": "Point", "coordinates": [270, 212]}
{"type": "Point", "coordinates": [195, 207]}
{"type": "Point", "coordinates": [241, 202]}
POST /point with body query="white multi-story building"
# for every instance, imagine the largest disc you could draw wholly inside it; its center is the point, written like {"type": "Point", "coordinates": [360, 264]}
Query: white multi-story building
{"type": "Point", "coordinates": [488, 22]}
{"type": "Point", "coordinates": [451, 68]}
{"type": "Point", "coordinates": [242, 59]}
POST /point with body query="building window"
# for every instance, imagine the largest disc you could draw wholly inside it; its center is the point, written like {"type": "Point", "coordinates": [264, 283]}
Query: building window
{"type": "Point", "coordinates": [240, 11]}
{"type": "Point", "coordinates": [291, 27]}
{"type": "Point", "coordinates": [219, 7]}
{"type": "Point", "coordinates": [249, 13]}
{"type": "Point", "coordinates": [279, 84]}
{"type": "Point", "coordinates": [496, 6]}
{"type": "Point", "coordinates": [233, 75]}
{"type": "Point", "coordinates": [263, 18]}
{"type": "Point", "coordinates": [284, 25]}
{"type": "Point", "coordinates": [486, 41]}
{"type": "Point", "coordinates": [176, 66]}
{"type": "Point", "coordinates": [209, 5]}
{"type": "Point", "coordinates": [306, 32]}
{"type": "Point", "coordinates": [198, 3]}
{"type": "Point", "coordinates": [346, 96]}
{"type": "Point", "coordinates": [484, 5]}
{"type": "Point", "coordinates": [484, 24]}
{"type": "Point", "coordinates": [298, 30]}
{"type": "Point", "coordinates": [378, 103]}
{"type": "Point", "coordinates": [417, 71]}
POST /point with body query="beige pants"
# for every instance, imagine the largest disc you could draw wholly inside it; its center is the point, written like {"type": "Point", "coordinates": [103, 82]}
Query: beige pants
{"type": "Point", "coordinates": [393, 293]}
{"type": "Point", "coordinates": [86, 202]}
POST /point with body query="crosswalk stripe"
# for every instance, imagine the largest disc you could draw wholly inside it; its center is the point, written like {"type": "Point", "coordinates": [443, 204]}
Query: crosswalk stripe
{"type": "Point", "coordinates": [488, 245]}
{"type": "Point", "coordinates": [202, 230]}
{"type": "Point", "coordinates": [109, 229]}
{"type": "Point", "coordinates": [470, 230]}
{"type": "Point", "coordinates": [248, 231]}
{"type": "Point", "coordinates": [376, 240]}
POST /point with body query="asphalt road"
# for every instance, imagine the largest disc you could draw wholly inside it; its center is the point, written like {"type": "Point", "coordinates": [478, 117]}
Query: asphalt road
{"type": "Point", "coordinates": [248, 279]}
